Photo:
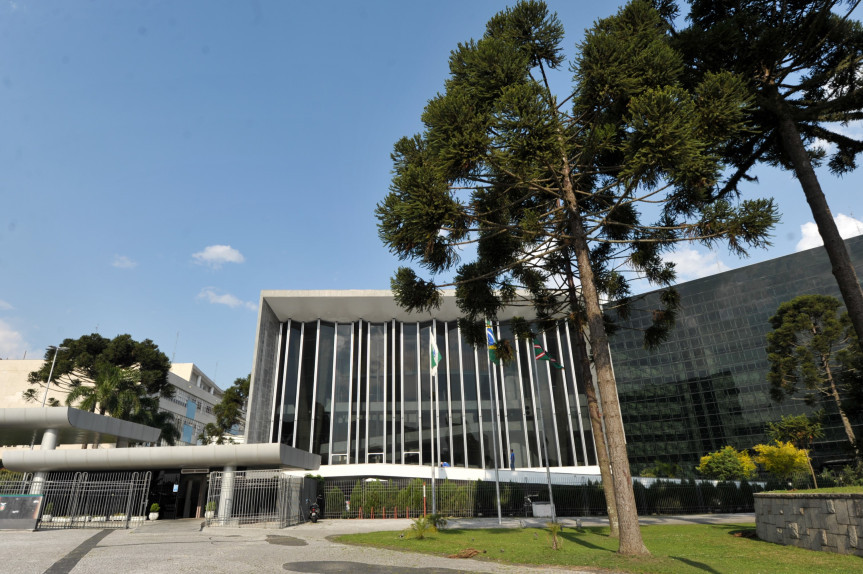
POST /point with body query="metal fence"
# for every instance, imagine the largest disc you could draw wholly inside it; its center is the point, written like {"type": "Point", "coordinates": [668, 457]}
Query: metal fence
{"type": "Point", "coordinates": [85, 500]}
{"type": "Point", "coordinates": [578, 496]}
{"type": "Point", "coordinates": [258, 498]}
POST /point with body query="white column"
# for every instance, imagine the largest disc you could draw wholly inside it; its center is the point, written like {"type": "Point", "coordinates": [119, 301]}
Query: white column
{"type": "Point", "coordinates": [226, 494]}
{"type": "Point", "coordinates": [49, 442]}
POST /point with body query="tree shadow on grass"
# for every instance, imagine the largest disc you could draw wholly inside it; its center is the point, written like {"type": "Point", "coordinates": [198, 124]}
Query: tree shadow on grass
{"type": "Point", "coordinates": [569, 537]}
{"type": "Point", "coordinates": [694, 564]}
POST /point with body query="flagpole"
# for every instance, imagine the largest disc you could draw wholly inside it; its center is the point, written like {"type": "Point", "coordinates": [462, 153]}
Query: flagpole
{"type": "Point", "coordinates": [495, 409]}
{"type": "Point", "coordinates": [544, 445]}
{"type": "Point", "coordinates": [433, 375]}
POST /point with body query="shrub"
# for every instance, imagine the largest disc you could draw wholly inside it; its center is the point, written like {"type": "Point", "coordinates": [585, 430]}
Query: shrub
{"type": "Point", "coordinates": [421, 527]}
{"type": "Point", "coordinates": [782, 459]}
{"type": "Point", "coordinates": [211, 506]}
{"type": "Point", "coordinates": [727, 464]}
{"type": "Point", "coordinates": [154, 507]}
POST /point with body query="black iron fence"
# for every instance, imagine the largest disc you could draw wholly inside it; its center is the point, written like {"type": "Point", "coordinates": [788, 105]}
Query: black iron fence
{"type": "Point", "coordinates": [579, 496]}
{"type": "Point", "coordinates": [258, 497]}
{"type": "Point", "coordinates": [85, 500]}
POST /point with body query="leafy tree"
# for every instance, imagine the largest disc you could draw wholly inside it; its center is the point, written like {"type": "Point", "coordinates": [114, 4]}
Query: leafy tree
{"type": "Point", "coordinates": [115, 391]}
{"type": "Point", "coordinates": [727, 464]}
{"type": "Point", "coordinates": [804, 349]}
{"type": "Point", "coordinates": [801, 431]}
{"type": "Point", "coordinates": [229, 412]}
{"type": "Point", "coordinates": [151, 416]}
{"type": "Point", "coordinates": [80, 364]}
{"type": "Point", "coordinates": [803, 61]}
{"type": "Point", "coordinates": [551, 191]}
{"type": "Point", "coordinates": [119, 377]}
{"type": "Point", "coordinates": [782, 459]}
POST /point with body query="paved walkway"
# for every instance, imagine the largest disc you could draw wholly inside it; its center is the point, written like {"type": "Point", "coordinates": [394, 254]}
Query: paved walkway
{"type": "Point", "coordinates": [173, 546]}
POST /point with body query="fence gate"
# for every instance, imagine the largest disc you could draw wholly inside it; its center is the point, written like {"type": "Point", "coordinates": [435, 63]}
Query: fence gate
{"type": "Point", "coordinates": [258, 497]}
{"type": "Point", "coordinates": [85, 500]}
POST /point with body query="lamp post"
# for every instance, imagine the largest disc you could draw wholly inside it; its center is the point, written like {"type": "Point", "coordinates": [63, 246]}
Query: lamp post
{"type": "Point", "coordinates": [51, 372]}
{"type": "Point", "coordinates": [48, 386]}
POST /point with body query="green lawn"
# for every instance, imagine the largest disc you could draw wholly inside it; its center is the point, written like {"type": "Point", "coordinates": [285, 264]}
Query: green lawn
{"type": "Point", "coordinates": [676, 549]}
{"type": "Point", "coordinates": [831, 490]}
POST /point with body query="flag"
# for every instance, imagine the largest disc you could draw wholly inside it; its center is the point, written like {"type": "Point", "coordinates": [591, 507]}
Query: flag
{"type": "Point", "coordinates": [541, 355]}
{"type": "Point", "coordinates": [492, 343]}
{"type": "Point", "coordinates": [434, 356]}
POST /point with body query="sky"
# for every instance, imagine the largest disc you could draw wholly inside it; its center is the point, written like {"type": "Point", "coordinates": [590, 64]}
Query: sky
{"type": "Point", "coordinates": [161, 163]}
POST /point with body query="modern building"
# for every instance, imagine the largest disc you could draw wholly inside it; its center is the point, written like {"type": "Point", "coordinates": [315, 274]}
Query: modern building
{"type": "Point", "coordinates": [706, 386]}
{"type": "Point", "coordinates": [346, 374]}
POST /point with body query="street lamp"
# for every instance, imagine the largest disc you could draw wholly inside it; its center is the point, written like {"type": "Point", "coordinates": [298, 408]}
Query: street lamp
{"type": "Point", "coordinates": [51, 372]}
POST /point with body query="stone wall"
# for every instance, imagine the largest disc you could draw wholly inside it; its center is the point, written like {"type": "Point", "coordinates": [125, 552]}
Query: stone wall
{"type": "Point", "coordinates": [828, 522]}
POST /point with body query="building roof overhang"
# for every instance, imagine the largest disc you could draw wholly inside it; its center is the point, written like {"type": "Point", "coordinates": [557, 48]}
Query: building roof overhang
{"type": "Point", "coordinates": [265, 455]}
{"type": "Point", "coordinates": [73, 426]}
{"type": "Point", "coordinates": [367, 304]}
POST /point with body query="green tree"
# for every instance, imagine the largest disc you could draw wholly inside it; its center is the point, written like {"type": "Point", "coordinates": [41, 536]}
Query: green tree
{"type": "Point", "coordinates": [727, 464]}
{"type": "Point", "coordinates": [807, 349]}
{"type": "Point", "coordinates": [552, 194]}
{"type": "Point", "coordinates": [115, 391]}
{"type": "Point", "coordinates": [799, 430]}
{"type": "Point", "coordinates": [119, 377]}
{"type": "Point", "coordinates": [229, 413]}
{"type": "Point", "coordinates": [803, 61]}
{"type": "Point", "coordinates": [782, 459]}
{"type": "Point", "coordinates": [80, 364]}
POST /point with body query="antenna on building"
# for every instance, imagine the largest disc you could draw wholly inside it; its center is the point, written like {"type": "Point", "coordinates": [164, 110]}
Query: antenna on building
{"type": "Point", "coordinates": [175, 346]}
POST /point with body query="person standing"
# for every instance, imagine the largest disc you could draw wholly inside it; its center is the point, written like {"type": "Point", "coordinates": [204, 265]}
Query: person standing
{"type": "Point", "coordinates": [511, 459]}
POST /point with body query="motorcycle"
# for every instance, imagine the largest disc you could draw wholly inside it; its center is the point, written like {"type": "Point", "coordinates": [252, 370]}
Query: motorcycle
{"type": "Point", "coordinates": [314, 511]}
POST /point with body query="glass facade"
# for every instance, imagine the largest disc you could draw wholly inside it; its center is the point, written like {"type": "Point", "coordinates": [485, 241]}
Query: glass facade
{"type": "Point", "coordinates": [706, 386]}
{"type": "Point", "coordinates": [362, 392]}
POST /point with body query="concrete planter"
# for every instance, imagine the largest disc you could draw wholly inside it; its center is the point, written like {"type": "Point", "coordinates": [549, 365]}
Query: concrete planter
{"type": "Point", "coordinates": [154, 516]}
{"type": "Point", "coordinates": [826, 522]}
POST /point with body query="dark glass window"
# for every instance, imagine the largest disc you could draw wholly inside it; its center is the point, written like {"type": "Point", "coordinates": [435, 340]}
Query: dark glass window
{"type": "Point", "coordinates": [324, 391]}
{"type": "Point", "coordinates": [342, 396]}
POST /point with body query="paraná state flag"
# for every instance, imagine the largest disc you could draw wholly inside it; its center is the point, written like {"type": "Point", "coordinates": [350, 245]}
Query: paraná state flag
{"type": "Point", "coordinates": [434, 356]}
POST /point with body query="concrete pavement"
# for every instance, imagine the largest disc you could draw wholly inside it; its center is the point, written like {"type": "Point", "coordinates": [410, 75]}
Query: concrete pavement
{"type": "Point", "coordinates": [173, 546]}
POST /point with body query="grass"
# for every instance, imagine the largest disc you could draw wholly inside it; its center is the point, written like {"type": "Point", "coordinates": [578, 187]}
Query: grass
{"type": "Point", "coordinates": [831, 490]}
{"type": "Point", "coordinates": [695, 548]}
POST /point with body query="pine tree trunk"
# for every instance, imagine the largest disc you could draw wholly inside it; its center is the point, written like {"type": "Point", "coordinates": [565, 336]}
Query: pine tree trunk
{"type": "Point", "coordinates": [599, 437]}
{"type": "Point", "coordinates": [834, 394]}
{"type": "Point", "coordinates": [594, 413]}
{"type": "Point", "coordinates": [840, 261]}
{"type": "Point", "coordinates": [631, 542]}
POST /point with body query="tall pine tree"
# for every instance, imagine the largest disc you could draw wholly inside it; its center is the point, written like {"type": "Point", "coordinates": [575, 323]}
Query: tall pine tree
{"type": "Point", "coordinates": [803, 62]}
{"type": "Point", "coordinates": [550, 189]}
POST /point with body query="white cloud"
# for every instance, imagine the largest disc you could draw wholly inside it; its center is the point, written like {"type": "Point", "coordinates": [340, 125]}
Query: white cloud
{"type": "Point", "coordinates": [848, 227]}
{"type": "Point", "coordinates": [692, 264]}
{"type": "Point", "coordinates": [4, 306]}
{"type": "Point", "coordinates": [123, 262]}
{"type": "Point", "coordinates": [210, 295]}
{"type": "Point", "coordinates": [12, 345]}
{"type": "Point", "coordinates": [215, 255]}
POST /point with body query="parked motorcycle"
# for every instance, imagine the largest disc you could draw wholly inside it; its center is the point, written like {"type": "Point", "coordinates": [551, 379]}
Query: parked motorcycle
{"type": "Point", "coordinates": [314, 511]}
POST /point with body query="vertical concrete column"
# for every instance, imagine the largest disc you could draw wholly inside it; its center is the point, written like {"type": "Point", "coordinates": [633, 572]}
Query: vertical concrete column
{"type": "Point", "coordinates": [122, 443]}
{"type": "Point", "coordinates": [49, 442]}
{"type": "Point", "coordinates": [226, 495]}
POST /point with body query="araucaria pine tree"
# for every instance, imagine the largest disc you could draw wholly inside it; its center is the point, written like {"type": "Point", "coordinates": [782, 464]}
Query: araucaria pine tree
{"type": "Point", "coordinates": [809, 348]}
{"type": "Point", "coordinates": [803, 62]}
{"type": "Point", "coordinates": [586, 190]}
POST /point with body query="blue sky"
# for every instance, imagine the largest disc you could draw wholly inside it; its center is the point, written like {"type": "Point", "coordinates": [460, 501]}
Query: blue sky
{"type": "Point", "coordinates": [163, 162]}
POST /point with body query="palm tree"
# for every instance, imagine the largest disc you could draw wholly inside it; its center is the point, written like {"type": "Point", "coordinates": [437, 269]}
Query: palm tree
{"type": "Point", "coordinates": [116, 392]}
